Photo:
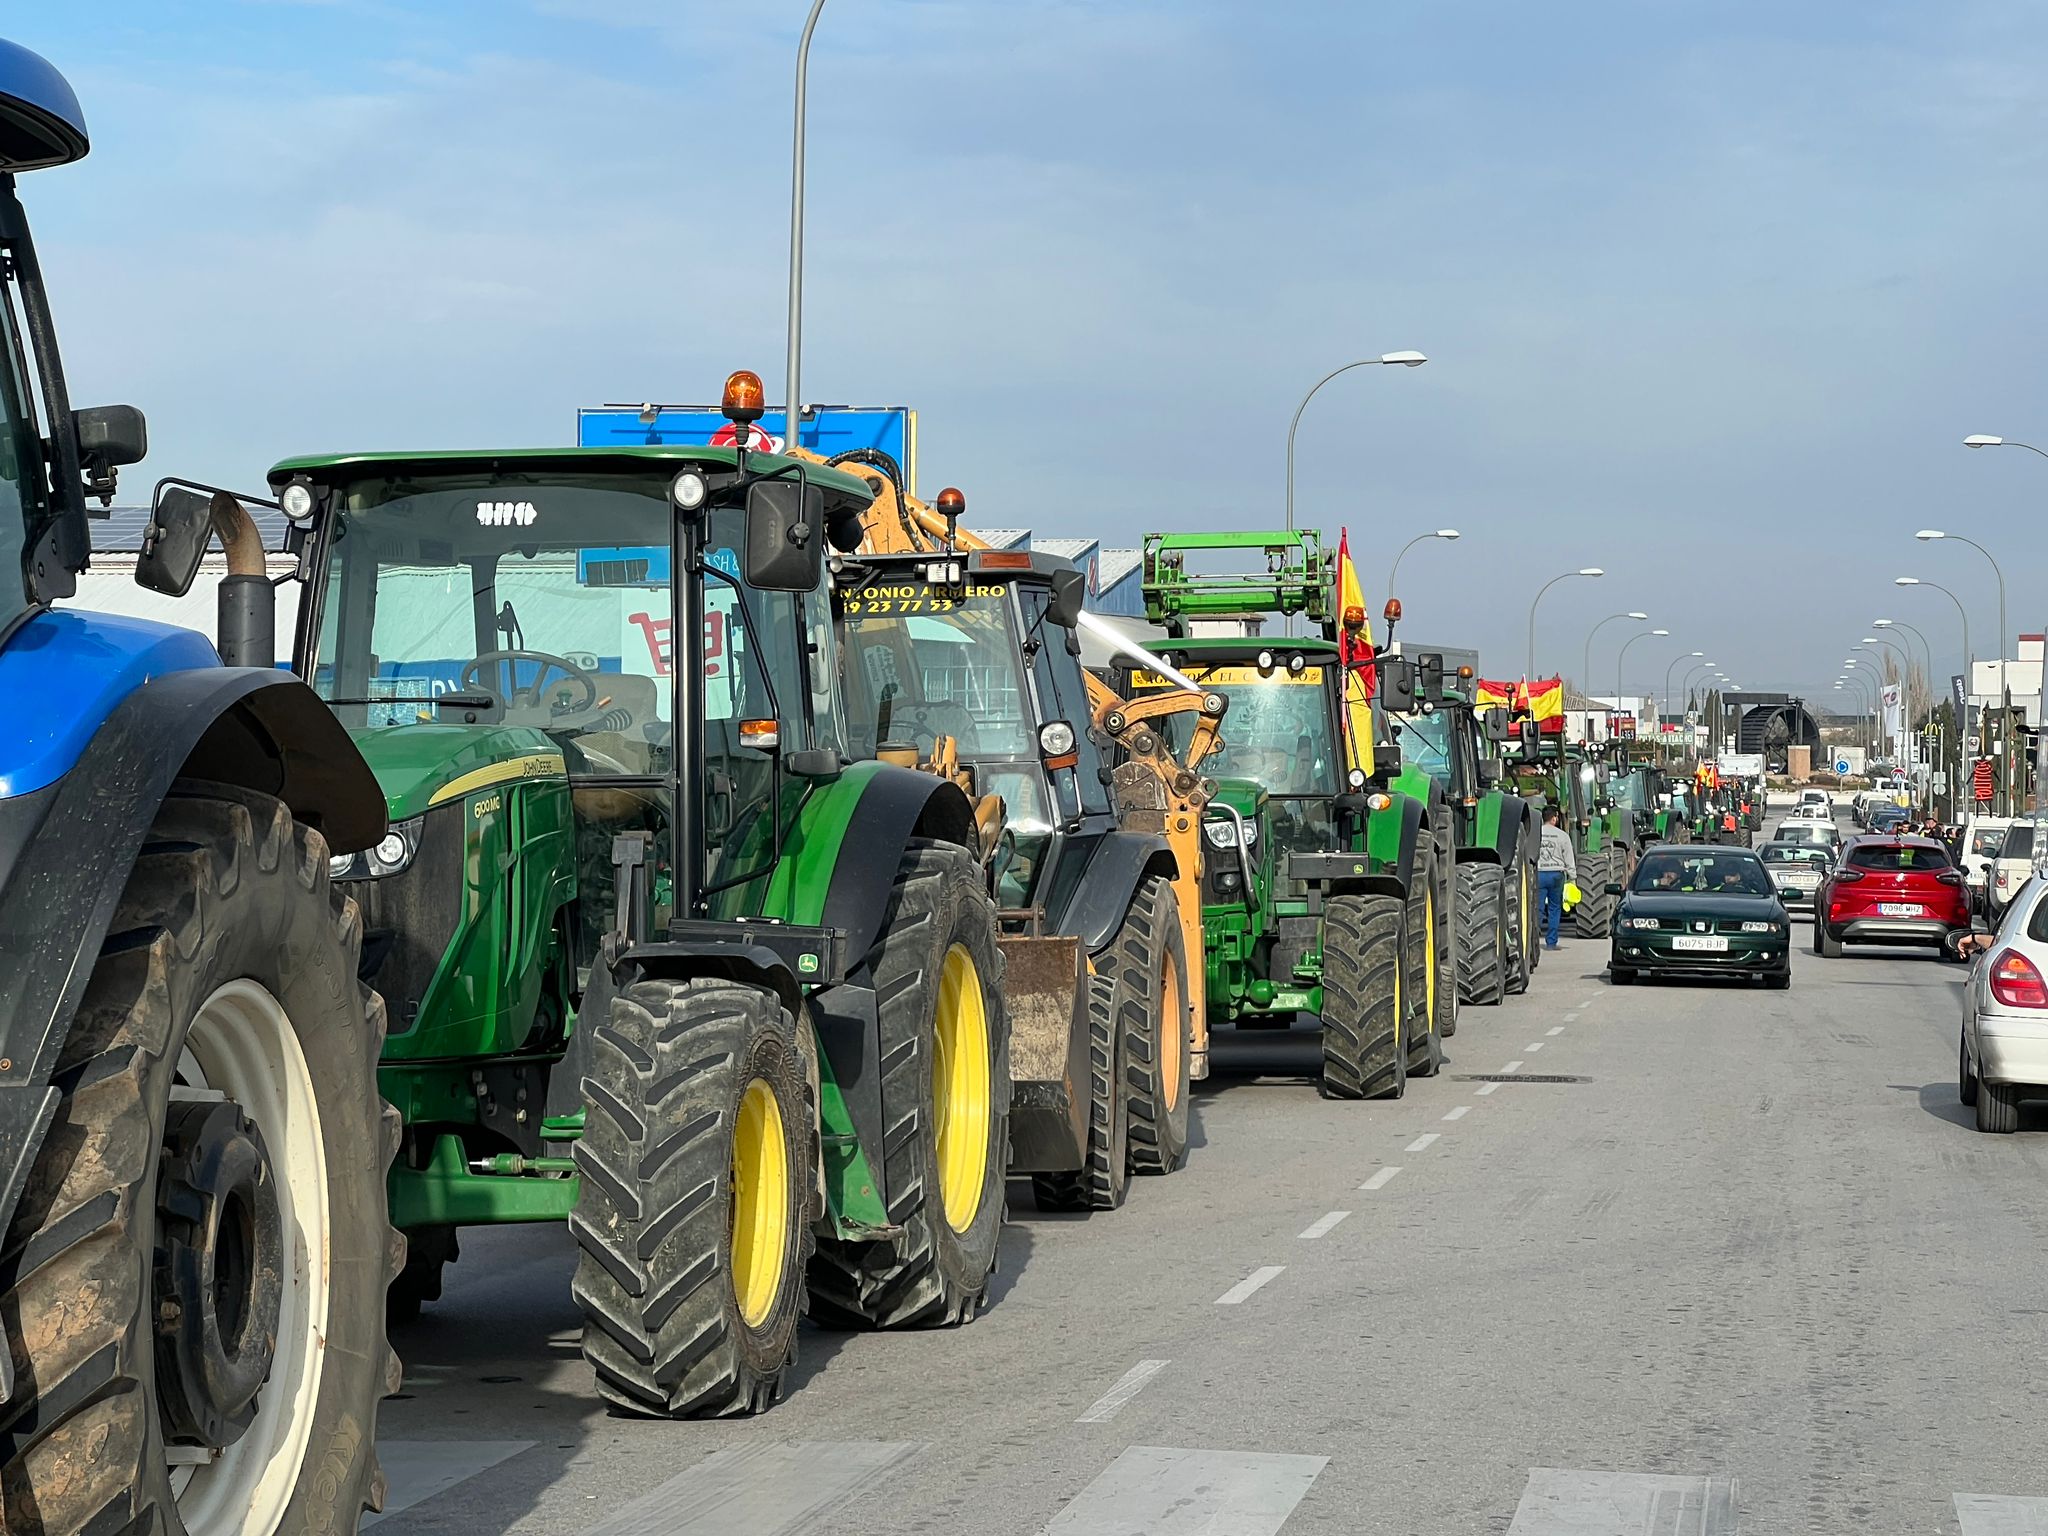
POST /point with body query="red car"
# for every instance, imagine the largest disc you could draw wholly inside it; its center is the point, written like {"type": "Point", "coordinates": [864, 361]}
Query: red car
{"type": "Point", "coordinates": [1891, 890]}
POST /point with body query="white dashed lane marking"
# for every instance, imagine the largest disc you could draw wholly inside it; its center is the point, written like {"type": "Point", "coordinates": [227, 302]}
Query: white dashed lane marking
{"type": "Point", "coordinates": [1128, 1386]}
{"type": "Point", "coordinates": [1381, 1179]}
{"type": "Point", "coordinates": [419, 1469]}
{"type": "Point", "coordinates": [1154, 1491]}
{"type": "Point", "coordinates": [1557, 1031]}
{"type": "Point", "coordinates": [1513, 1066]}
{"type": "Point", "coordinates": [1557, 1502]}
{"type": "Point", "coordinates": [1485, 1088]}
{"type": "Point", "coordinates": [1459, 1112]}
{"type": "Point", "coordinates": [1994, 1514]}
{"type": "Point", "coordinates": [773, 1488]}
{"type": "Point", "coordinates": [1533, 1045]}
{"type": "Point", "coordinates": [1323, 1224]}
{"type": "Point", "coordinates": [1421, 1142]}
{"type": "Point", "coordinates": [1249, 1283]}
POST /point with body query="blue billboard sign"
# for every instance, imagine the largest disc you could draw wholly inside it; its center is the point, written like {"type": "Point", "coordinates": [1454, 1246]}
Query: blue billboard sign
{"type": "Point", "coordinates": [827, 429]}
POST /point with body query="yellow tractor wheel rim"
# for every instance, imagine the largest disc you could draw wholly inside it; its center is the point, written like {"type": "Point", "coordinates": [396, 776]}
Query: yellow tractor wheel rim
{"type": "Point", "coordinates": [1429, 954]}
{"type": "Point", "coordinates": [1172, 1025]}
{"type": "Point", "coordinates": [760, 1203]}
{"type": "Point", "coordinates": [1400, 1008]}
{"type": "Point", "coordinates": [961, 1104]}
{"type": "Point", "coordinates": [1526, 935]}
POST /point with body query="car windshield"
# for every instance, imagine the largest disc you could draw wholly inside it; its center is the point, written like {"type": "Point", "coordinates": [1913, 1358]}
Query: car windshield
{"type": "Point", "coordinates": [547, 596]}
{"type": "Point", "coordinates": [1900, 858]}
{"type": "Point", "coordinates": [2019, 842]}
{"type": "Point", "coordinates": [1794, 853]}
{"type": "Point", "coordinates": [1729, 873]}
{"type": "Point", "coordinates": [1986, 841]}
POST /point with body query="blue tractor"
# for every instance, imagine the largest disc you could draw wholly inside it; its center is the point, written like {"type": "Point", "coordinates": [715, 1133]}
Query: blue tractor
{"type": "Point", "coordinates": [192, 1146]}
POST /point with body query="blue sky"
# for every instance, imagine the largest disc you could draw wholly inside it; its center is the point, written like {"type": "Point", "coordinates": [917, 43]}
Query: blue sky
{"type": "Point", "coordinates": [1712, 291]}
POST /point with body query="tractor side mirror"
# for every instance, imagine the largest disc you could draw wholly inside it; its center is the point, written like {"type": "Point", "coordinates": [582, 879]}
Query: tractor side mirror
{"type": "Point", "coordinates": [1430, 666]}
{"type": "Point", "coordinates": [1397, 684]}
{"type": "Point", "coordinates": [1530, 740]}
{"type": "Point", "coordinates": [1493, 724]}
{"type": "Point", "coordinates": [1069, 591]}
{"type": "Point", "coordinates": [180, 522]}
{"type": "Point", "coordinates": [785, 527]}
{"type": "Point", "coordinates": [1489, 772]}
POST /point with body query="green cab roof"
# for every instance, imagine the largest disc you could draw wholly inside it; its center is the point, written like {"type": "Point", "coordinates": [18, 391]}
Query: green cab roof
{"type": "Point", "coordinates": [349, 466]}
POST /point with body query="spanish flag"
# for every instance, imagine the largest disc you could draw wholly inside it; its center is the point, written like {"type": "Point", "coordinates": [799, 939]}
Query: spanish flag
{"type": "Point", "coordinates": [1355, 655]}
{"type": "Point", "coordinates": [1542, 701]}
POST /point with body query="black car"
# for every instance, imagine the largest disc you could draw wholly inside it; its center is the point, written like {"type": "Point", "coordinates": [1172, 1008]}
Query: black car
{"type": "Point", "coordinates": [1701, 911]}
{"type": "Point", "coordinates": [1887, 817]}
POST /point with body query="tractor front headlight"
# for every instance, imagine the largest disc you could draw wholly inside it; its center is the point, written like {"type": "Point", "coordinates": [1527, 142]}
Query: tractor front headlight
{"type": "Point", "coordinates": [1222, 833]}
{"type": "Point", "coordinates": [392, 854]}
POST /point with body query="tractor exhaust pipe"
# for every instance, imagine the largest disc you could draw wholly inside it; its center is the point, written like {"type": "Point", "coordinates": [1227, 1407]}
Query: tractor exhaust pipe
{"type": "Point", "coordinates": [247, 615]}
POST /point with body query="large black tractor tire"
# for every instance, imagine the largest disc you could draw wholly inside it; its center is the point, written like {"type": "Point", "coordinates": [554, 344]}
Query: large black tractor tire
{"type": "Point", "coordinates": [1449, 976]}
{"type": "Point", "coordinates": [1155, 1012]}
{"type": "Point", "coordinates": [1101, 1183]}
{"type": "Point", "coordinates": [1482, 934]}
{"type": "Point", "coordinates": [1364, 1054]}
{"type": "Point", "coordinates": [218, 1152]}
{"type": "Point", "coordinates": [1522, 914]}
{"type": "Point", "coordinates": [1426, 992]}
{"type": "Point", "coordinates": [938, 944]}
{"type": "Point", "coordinates": [695, 1217]}
{"type": "Point", "coordinates": [1593, 917]}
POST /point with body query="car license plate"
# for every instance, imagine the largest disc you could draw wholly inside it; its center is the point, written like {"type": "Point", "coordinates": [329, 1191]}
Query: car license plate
{"type": "Point", "coordinates": [1900, 908]}
{"type": "Point", "coordinates": [1711, 943]}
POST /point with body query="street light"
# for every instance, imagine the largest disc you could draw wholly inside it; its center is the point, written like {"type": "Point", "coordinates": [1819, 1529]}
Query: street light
{"type": "Point", "coordinates": [1926, 651]}
{"type": "Point", "coordinates": [1588, 570]}
{"type": "Point", "coordinates": [1588, 673]}
{"type": "Point", "coordinates": [1688, 656]}
{"type": "Point", "coordinates": [1405, 359]}
{"type": "Point", "coordinates": [792, 376]}
{"type": "Point", "coordinates": [1979, 440]}
{"type": "Point", "coordinates": [1448, 535]}
{"type": "Point", "coordinates": [1935, 533]}
{"type": "Point", "coordinates": [1645, 634]}
{"type": "Point", "coordinates": [1969, 655]}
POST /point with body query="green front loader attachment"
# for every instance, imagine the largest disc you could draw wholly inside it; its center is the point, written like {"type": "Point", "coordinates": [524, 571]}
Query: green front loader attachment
{"type": "Point", "coordinates": [660, 958]}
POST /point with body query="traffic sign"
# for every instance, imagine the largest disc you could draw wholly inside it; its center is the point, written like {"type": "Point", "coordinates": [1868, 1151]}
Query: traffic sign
{"type": "Point", "coordinates": [1841, 765]}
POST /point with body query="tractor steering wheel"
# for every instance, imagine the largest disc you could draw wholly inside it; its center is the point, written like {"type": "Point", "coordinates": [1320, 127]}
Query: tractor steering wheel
{"type": "Point", "coordinates": [534, 695]}
{"type": "Point", "coordinates": [925, 723]}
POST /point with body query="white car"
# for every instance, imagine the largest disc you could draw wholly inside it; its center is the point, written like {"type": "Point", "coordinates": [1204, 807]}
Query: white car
{"type": "Point", "coordinates": [1982, 838]}
{"type": "Point", "coordinates": [2004, 1052]}
{"type": "Point", "coordinates": [1811, 800]}
{"type": "Point", "coordinates": [1808, 829]}
{"type": "Point", "coordinates": [2009, 871]}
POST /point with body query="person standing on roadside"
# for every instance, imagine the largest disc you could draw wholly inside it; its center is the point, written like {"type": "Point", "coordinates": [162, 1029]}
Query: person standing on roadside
{"type": "Point", "coordinates": [1555, 864]}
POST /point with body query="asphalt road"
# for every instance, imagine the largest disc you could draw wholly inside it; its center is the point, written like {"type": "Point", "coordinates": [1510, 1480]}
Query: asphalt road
{"type": "Point", "coordinates": [1749, 1267]}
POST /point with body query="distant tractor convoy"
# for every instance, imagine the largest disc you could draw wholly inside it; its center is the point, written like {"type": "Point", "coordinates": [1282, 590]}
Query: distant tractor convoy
{"type": "Point", "coordinates": [720, 851]}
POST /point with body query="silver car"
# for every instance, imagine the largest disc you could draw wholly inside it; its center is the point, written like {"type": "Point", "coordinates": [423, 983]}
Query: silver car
{"type": "Point", "coordinates": [1797, 870]}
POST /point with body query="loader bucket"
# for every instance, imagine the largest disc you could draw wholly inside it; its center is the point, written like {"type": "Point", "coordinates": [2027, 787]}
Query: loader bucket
{"type": "Point", "coordinates": [1045, 984]}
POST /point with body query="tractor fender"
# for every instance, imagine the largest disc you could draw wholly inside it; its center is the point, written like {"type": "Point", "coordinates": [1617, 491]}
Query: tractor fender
{"type": "Point", "coordinates": [894, 806]}
{"type": "Point", "coordinates": [1392, 838]}
{"type": "Point", "coordinates": [66, 848]}
{"type": "Point", "coordinates": [1111, 878]}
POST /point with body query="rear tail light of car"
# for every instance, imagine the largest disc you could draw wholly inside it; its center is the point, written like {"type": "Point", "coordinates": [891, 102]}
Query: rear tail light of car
{"type": "Point", "coordinates": [1848, 876]}
{"type": "Point", "coordinates": [1950, 877]}
{"type": "Point", "coordinates": [2016, 982]}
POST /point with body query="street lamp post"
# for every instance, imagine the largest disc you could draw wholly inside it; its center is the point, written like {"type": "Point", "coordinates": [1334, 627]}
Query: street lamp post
{"type": "Point", "coordinates": [1619, 656]}
{"type": "Point", "coordinates": [1587, 570]}
{"type": "Point", "coordinates": [1685, 686]}
{"type": "Point", "coordinates": [1936, 533]}
{"type": "Point", "coordinates": [1687, 656]}
{"type": "Point", "coordinates": [1969, 655]}
{"type": "Point", "coordinates": [1405, 359]}
{"type": "Point", "coordinates": [792, 376]}
{"type": "Point", "coordinates": [1448, 535]}
{"type": "Point", "coordinates": [1587, 674]}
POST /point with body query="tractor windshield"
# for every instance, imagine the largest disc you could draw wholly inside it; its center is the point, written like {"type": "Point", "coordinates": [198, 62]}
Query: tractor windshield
{"type": "Point", "coordinates": [21, 458]}
{"type": "Point", "coordinates": [922, 663]}
{"type": "Point", "coordinates": [1426, 743]}
{"type": "Point", "coordinates": [1281, 733]}
{"type": "Point", "coordinates": [547, 597]}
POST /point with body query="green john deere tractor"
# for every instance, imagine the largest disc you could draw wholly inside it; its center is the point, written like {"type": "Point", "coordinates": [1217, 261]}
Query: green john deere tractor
{"type": "Point", "coordinates": [1576, 779]}
{"type": "Point", "coordinates": [1641, 788]}
{"type": "Point", "coordinates": [661, 959]}
{"type": "Point", "coordinates": [1329, 889]}
{"type": "Point", "coordinates": [1497, 833]}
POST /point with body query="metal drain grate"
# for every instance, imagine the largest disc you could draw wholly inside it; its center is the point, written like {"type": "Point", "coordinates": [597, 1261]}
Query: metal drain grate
{"type": "Point", "coordinates": [1518, 1077]}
